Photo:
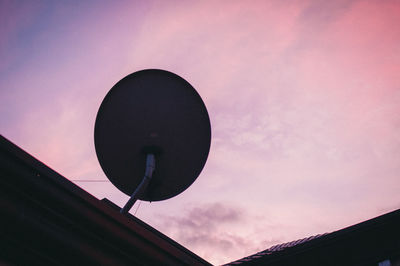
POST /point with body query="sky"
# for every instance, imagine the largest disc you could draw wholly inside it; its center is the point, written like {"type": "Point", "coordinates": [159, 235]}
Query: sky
{"type": "Point", "coordinates": [303, 98]}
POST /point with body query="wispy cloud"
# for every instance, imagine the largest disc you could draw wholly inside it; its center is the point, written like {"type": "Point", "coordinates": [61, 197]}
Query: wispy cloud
{"type": "Point", "coordinates": [208, 230]}
{"type": "Point", "coordinates": [222, 232]}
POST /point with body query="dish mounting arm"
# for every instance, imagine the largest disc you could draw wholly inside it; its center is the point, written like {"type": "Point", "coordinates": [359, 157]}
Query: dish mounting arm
{"type": "Point", "coordinates": [150, 166]}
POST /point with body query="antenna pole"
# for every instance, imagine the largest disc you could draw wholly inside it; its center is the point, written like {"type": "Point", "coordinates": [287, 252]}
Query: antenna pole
{"type": "Point", "coordinates": [150, 166]}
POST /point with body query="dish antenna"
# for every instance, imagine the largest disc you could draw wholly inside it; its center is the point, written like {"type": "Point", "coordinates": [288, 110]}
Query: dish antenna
{"type": "Point", "coordinates": [152, 135]}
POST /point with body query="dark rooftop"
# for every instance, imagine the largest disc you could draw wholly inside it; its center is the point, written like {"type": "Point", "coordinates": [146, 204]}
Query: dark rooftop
{"type": "Point", "coordinates": [366, 243]}
{"type": "Point", "coordinates": [273, 249]}
{"type": "Point", "coordinates": [48, 220]}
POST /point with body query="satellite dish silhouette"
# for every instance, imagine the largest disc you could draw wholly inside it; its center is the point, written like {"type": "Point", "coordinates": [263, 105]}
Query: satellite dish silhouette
{"type": "Point", "coordinates": [152, 135]}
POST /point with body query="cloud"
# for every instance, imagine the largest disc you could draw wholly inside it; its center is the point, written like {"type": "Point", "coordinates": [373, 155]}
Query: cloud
{"type": "Point", "coordinates": [222, 232]}
{"type": "Point", "coordinates": [210, 230]}
{"type": "Point", "coordinates": [208, 217]}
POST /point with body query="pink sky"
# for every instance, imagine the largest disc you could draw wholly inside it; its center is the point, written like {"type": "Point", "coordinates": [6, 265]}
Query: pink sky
{"type": "Point", "coordinates": [303, 96]}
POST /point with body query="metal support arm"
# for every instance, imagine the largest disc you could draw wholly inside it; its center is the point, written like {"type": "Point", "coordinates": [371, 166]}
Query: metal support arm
{"type": "Point", "coordinates": [150, 166]}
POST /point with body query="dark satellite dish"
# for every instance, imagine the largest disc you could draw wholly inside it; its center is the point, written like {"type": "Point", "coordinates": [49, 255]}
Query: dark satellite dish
{"type": "Point", "coordinates": [152, 135]}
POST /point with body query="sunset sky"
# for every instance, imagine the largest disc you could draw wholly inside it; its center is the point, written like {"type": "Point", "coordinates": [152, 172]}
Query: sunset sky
{"type": "Point", "coordinates": [303, 97]}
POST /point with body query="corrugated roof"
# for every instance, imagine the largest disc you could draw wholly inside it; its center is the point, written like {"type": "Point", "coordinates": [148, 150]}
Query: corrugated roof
{"type": "Point", "coordinates": [274, 249]}
{"type": "Point", "coordinates": [366, 243]}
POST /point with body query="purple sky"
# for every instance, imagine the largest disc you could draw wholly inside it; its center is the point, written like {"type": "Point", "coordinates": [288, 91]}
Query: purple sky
{"type": "Point", "coordinates": [303, 96]}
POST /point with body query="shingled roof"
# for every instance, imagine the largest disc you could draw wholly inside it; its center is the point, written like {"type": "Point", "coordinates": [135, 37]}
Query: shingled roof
{"type": "Point", "coordinates": [366, 243]}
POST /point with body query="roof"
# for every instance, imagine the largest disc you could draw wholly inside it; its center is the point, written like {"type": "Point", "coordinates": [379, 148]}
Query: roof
{"type": "Point", "coordinates": [366, 243]}
{"type": "Point", "coordinates": [46, 219]}
{"type": "Point", "coordinates": [273, 249]}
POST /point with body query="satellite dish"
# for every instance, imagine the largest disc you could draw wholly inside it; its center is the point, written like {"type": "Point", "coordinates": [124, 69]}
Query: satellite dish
{"type": "Point", "coordinates": [152, 135]}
